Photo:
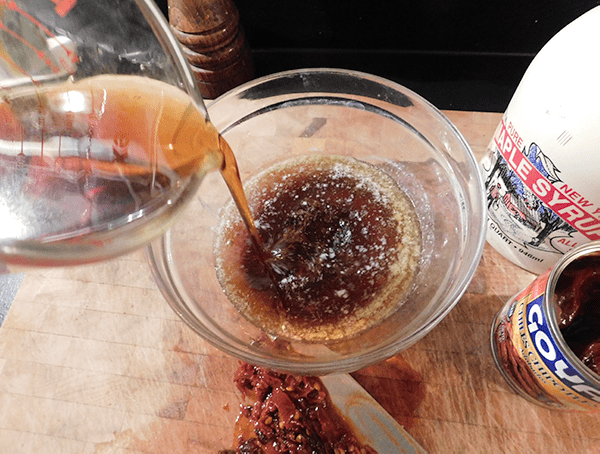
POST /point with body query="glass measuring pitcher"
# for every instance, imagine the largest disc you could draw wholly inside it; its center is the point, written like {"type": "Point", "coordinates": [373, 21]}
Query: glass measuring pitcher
{"type": "Point", "coordinates": [103, 133]}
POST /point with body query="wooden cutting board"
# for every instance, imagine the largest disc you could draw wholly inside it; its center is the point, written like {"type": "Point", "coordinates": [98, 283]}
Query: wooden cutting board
{"type": "Point", "coordinates": [93, 360]}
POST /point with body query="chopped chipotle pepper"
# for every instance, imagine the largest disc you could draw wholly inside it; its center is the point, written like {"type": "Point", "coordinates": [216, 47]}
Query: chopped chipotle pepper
{"type": "Point", "coordinates": [290, 414]}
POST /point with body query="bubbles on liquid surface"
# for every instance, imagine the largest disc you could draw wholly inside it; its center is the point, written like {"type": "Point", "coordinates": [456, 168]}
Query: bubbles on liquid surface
{"type": "Point", "coordinates": [342, 242]}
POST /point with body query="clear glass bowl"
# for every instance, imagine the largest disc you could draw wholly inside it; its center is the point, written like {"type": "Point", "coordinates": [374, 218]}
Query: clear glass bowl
{"type": "Point", "coordinates": [341, 112]}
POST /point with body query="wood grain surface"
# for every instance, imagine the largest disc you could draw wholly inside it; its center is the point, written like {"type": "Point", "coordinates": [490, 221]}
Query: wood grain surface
{"type": "Point", "coordinates": [93, 360]}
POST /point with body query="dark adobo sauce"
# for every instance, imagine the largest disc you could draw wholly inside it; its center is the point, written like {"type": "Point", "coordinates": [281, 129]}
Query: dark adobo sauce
{"type": "Point", "coordinates": [577, 296]}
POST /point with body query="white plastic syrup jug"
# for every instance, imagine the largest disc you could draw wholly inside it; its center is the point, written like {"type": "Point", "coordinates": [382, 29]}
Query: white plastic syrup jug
{"type": "Point", "coordinates": [542, 168]}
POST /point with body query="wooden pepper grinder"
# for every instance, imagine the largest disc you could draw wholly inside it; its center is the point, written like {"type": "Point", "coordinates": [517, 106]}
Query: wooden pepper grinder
{"type": "Point", "coordinates": [213, 42]}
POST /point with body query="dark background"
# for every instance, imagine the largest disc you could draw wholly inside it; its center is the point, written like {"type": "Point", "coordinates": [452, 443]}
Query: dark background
{"type": "Point", "coordinates": [458, 54]}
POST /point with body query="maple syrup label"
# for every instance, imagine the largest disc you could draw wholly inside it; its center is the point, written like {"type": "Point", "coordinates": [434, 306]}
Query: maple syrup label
{"type": "Point", "coordinates": [534, 217]}
{"type": "Point", "coordinates": [530, 357]}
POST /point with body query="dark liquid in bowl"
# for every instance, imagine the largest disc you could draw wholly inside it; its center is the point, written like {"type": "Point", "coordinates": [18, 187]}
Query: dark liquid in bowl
{"type": "Point", "coordinates": [340, 244]}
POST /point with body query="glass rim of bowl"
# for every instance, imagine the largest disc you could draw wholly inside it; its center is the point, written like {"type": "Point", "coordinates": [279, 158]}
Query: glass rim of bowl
{"type": "Point", "coordinates": [166, 276]}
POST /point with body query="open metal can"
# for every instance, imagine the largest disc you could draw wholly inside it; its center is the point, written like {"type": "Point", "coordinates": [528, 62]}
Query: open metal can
{"type": "Point", "coordinates": [528, 336]}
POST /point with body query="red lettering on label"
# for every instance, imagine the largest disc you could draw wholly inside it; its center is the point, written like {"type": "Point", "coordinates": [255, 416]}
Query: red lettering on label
{"type": "Point", "coordinates": [556, 200]}
{"type": "Point", "coordinates": [515, 135]}
{"type": "Point", "coordinates": [561, 204]}
{"type": "Point", "coordinates": [566, 242]}
{"type": "Point", "coordinates": [575, 196]}
{"type": "Point", "coordinates": [541, 187]}
{"type": "Point", "coordinates": [592, 234]}
{"type": "Point", "coordinates": [587, 223]}
{"type": "Point", "coordinates": [572, 212]}
{"type": "Point", "coordinates": [64, 6]}
{"type": "Point", "coordinates": [524, 168]}
{"type": "Point", "coordinates": [512, 152]}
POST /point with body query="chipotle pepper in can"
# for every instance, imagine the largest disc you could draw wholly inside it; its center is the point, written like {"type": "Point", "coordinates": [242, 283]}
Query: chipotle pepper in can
{"type": "Point", "coordinates": [546, 339]}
